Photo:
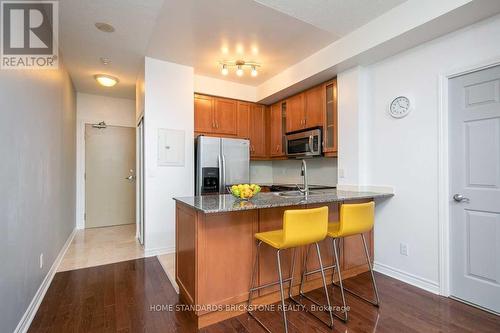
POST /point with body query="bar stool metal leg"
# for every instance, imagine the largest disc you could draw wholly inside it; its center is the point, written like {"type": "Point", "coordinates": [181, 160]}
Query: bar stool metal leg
{"type": "Point", "coordinates": [376, 302]}
{"type": "Point", "coordinates": [281, 290]}
{"type": "Point", "coordinates": [280, 281]}
{"type": "Point", "coordinates": [324, 285]}
{"type": "Point", "coordinates": [301, 291]}
{"type": "Point", "coordinates": [292, 273]}
{"type": "Point", "coordinates": [337, 265]}
{"type": "Point", "coordinates": [304, 272]}
{"type": "Point", "coordinates": [253, 289]}
{"type": "Point", "coordinates": [371, 271]}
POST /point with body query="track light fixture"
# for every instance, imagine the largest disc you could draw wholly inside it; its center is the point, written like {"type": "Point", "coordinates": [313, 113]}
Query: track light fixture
{"type": "Point", "coordinates": [240, 66]}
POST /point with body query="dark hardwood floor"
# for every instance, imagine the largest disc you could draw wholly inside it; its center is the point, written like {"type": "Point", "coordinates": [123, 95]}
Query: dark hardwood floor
{"type": "Point", "coordinates": [118, 298]}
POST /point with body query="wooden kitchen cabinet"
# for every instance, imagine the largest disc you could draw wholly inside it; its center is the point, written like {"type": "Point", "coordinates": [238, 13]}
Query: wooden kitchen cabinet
{"type": "Point", "coordinates": [306, 109]}
{"type": "Point", "coordinates": [243, 120]}
{"type": "Point", "coordinates": [277, 130]}
{"type": "Point", "coordinates": [314, 104]}
{"type": "Point", "coordinates": [330, 127]}
{"type": "Point", "coordinates": [213, 115]}
{"type": "Point", "coordinates": [295, 113]}
{"type": "Point", "coordinates": [203, 114]}
{"type": "Point", "coordinates": [258, 132]}
{"type": "Point", "coordinates": [225, 116]}
{"type": "Point", "coordinates": [266, 127]}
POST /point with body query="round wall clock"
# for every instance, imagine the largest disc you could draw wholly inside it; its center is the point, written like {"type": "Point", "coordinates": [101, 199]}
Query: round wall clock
{"type": "Point", "coordinates": [400, 107]}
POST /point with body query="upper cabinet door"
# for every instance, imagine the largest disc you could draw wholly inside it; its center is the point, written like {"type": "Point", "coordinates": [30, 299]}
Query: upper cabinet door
{"type": "Point", "coordinates": [203, 114]}
{"type": "Point", "coordinates": [295, 117]}
{"type": "Point", "coordinates": [226, 116]}
{"type": "Point", "coordinates": [314, 107]}
{"type": "Point", "coordinates": [243, 120]}
{"type": "Point", "coordinates": [330, 127]}
{"type": "Point", "coordinates": [276, 135]}
{"type": "Point", "coordinates": [257, 131]}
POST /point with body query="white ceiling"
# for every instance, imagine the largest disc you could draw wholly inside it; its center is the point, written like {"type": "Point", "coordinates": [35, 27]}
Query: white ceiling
{"type": "Point", "coordinates": [82, 44]}
{"type": "Point", "coordinates": [275, 33]}
{"type": "Point", "coordinates": [336, 16]}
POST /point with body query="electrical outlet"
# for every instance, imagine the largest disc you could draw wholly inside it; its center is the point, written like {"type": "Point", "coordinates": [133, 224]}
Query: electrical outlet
{"type": "Point", "coordinates": [403, 249]}
{"type": "Point", "coordinates": [41, 260]}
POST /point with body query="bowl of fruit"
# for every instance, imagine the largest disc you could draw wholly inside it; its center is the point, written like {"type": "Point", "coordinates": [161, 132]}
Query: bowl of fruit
{"type": "Point", "coordinates": [245, 191]}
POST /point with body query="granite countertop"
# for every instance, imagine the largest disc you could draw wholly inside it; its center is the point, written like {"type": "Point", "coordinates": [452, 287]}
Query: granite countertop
{"type": "Point", "coordinates": [210, 204]}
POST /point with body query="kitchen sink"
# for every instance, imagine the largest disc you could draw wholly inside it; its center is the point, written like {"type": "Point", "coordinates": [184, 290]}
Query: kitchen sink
{"type": "Point", "coordinates": [295, 194]}
{"type": "Point", "coordinates": [289, 194]}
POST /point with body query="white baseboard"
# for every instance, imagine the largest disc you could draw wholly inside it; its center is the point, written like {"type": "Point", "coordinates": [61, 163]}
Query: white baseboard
{"type": "Point", "coordinates": [157, 251]}
{"type": "Point", "coordinates": [406, 277]}
{"type": "Point", "coordinates": [30, 313]}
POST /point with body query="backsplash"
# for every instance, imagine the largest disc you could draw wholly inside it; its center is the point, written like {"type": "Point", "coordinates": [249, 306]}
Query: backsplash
{"type": "Point", "coordinates": [261, 172]}
{"type": "Point", "coordinates": [321, 171]}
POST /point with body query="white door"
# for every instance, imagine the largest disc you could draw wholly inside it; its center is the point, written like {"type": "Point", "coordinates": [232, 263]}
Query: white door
{"type": "Point", "coordinates": [109, 176]}
{"type": "Point", "coordinates": [474, 141]}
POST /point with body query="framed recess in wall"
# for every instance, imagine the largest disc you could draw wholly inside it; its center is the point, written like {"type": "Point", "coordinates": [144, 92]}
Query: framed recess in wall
{"type": "Point", "coordinates": [171, 147]}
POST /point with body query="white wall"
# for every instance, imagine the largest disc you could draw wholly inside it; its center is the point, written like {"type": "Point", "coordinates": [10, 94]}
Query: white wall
{"type": "Point", "coordinates": [139, 94]}
{"type": "Point", "coordinates": [37, 185]}
{"type": "Point", "coordinates": [93, 109]}
{"type": "Point", "coordinates": [168, 104]}
{"type": "Point", "coordinates": [404, 153]}
{"type": "Point", "coordinates": [217, 87]}
{"type": "Point", "coordinates": [114, 111]}
{"type": "Point", "coordinates": [352, 116]}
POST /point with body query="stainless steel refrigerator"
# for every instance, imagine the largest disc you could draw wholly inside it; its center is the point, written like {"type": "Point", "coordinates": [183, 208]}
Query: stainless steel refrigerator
{"type": "Point", "coordinates": [220, 163]}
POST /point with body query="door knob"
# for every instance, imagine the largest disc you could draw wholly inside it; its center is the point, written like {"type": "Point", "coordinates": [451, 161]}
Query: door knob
{"type": "Point", "coordinates": [460, 198]}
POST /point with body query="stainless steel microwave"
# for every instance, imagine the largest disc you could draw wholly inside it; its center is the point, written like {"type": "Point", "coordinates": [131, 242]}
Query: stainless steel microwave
{"type": "Point", "coordinates": [304, 143]}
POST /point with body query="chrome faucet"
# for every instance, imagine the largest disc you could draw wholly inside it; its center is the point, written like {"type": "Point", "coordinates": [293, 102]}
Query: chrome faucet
{"type": "Point", "coordinates": [303, 173]}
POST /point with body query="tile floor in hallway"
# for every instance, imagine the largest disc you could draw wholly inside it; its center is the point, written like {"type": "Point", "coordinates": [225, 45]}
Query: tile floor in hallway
{"type": "Point", "coordinates": [101, 246]}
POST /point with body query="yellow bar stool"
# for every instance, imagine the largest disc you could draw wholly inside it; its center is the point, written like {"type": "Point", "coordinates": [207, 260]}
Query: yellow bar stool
{"type": "Point", "coordinates": [300, 227]}
{"type": "Point", "coordinates": [355, 219]}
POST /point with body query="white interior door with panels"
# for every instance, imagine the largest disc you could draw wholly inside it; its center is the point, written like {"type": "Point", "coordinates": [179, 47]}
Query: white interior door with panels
{"type": "Point", "coordinates": [109, 176]}
{"type": "Point", "coordinates": [474, 146]}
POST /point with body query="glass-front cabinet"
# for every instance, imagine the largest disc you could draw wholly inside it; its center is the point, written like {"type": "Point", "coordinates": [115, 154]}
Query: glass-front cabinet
{"type": "Point", "coordinates": [330, 128]}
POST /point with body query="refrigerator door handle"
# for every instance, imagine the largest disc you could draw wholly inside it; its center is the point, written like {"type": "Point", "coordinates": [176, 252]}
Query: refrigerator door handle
{"type": "Point", "coordinates": [219, 164]}
{"type": "Point", "coordinates": [223, 190]}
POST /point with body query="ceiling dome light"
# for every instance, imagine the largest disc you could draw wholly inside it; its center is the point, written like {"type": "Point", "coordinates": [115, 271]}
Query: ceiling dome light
{"type": "Point", "coordinates": [224, 70]}
{"type": "Point", "coordinates": [106, 80]}
{"type": "Point", "coordinates": [239, 71]}
{"type": "Point", "coordinates": [254, 72]}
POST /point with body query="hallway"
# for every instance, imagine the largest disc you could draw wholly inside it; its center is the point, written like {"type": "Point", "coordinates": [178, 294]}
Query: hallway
{"type": "Point", "coordinates": [101, 246]}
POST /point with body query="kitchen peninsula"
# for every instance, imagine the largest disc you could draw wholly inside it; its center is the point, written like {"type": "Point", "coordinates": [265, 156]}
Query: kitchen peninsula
{"type": "Point", "coordinates": [215, 248]}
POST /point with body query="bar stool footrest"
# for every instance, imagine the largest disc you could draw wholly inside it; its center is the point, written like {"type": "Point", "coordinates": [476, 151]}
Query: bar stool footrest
{"type": "Point", "coordinates": [258, 321]}
{"type": "Point", "coordinates": [374, 303]}
{"type": "Point", "coordinates": [309, 311]}
{"type": "Point", "coordinates": [344, 319]}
